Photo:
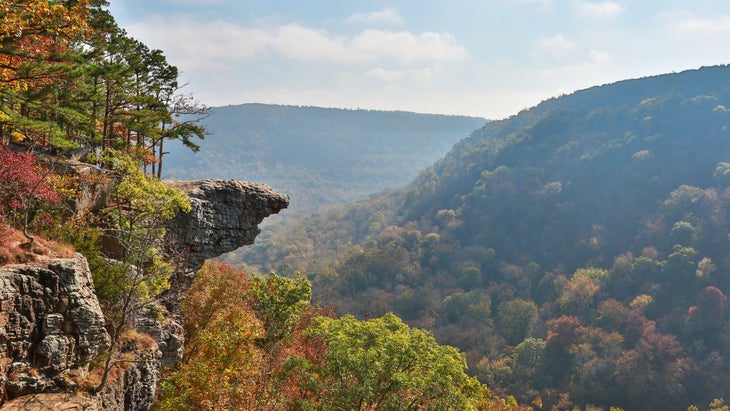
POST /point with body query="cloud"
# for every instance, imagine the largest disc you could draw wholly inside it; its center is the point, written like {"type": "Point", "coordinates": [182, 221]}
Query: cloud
{"type": "Point", "coordinates": [391, 76]}
{"type": "Point", "coordinates": [382, 74]}
{"type": "Point", "coordinates": [599, 57]}
{"type": "Point", "coordinates": [605, 10]}
{"type": "Point", "coordinates": [219, 44]}
{"type": "Point", "coordinates": [697, 25]}
{"type": "Point", "coordinates": [369, 46]}
{"type": "Point", "coordinates": [405, 46]}
{"type": "Point", "coordinates": [557, 46]}
{"type": "Point", "coordinates": [300, 43]}
{"type": "Point", "coordinates": [589, 67]}
{"type": "Point", "coordinates": [388, 15]}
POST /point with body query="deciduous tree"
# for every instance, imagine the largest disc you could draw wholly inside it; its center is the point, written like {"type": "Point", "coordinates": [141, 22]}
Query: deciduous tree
{"type": "Point", "coordinates": [384, 364]}
{"type": "Point", "coordinates": [24, 189]}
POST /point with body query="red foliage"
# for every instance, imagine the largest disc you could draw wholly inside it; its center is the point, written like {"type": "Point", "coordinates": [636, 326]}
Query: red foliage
{"type": "Point", "coordinates": [657, 347]}
{"type": "Point", "coordinates": [712, 304]}
{"type": "Point", "coordinates": [5, 232]}
{"type": "Point", "coordinates": [23, 183]}
{"type": "Point", "coordinates": [564, 332]}
{"type": "Point", "coordinates": [636, 323]}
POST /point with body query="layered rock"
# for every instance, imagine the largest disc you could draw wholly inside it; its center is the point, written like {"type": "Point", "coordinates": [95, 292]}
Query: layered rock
{"type": "Point", "coordinates": [95, 186]}
{"type": "Point", "coordinates": [134, 387]}
{"type": "Point", "coordinates": [50, 324]}
{"type": "Point", "coordinates": [225, 216]}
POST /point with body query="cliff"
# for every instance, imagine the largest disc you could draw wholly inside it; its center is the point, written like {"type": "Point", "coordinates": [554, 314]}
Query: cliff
{"type": "Point", "coordinates": [225, 216]}
{"type": "Point", "coordinates": [52, 327]}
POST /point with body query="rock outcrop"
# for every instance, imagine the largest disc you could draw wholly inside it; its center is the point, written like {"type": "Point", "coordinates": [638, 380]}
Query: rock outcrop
{"type": "Point", "coordinates": [225, 216]}
{"type": "Point", "coordinates": [51, 324]}
{"type": "Point", "coordinates": [95, 186]}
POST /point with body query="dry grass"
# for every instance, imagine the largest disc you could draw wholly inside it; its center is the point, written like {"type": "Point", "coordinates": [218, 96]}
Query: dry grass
{"type": "Point", "coordinates": [15, 248]}
{"type": "Point", "coordinates": [134, 340]}
{"type": "Point", "coordinates": [55, 401]}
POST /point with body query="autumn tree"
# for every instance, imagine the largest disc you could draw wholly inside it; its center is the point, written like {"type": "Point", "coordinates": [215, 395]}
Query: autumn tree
{"type": "Point", "coordinates": [516, 318]}
{"type": "Point", "coordinates": [221, 362]}
{"type": "Point", "coordinates": [707, 319]}
{"type": "Point", "coordinates": [527, 362]}
{"type": "Point", "coordinates": [564, 333]}
{"type": "Point", "coordinates": [384, 364]}
{"type": "Point", "coordinates": [24, 189]}
{"type": "Point", "coordinates": [278, 302]}
{"type": "Point", "coordinates": [133, 225]}
{"type": "Point", "coordinates": [37, 61]}
{"type": "Point", "coordinates": [228, 361]}
{"type": "Point", "coordinates": [654, 365]}
{"type": "Point", "coordinates": [71, 78]}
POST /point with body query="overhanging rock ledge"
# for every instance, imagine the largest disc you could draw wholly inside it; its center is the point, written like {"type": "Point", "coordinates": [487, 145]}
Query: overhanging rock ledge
{"type": "Point", "coordinates": [225, 216]}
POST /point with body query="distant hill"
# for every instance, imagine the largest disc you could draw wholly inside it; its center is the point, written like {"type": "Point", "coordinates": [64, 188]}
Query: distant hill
{"type": "Point", "coordinates": [579, 250]}
{"type": "Point", "coordinates": [319, 156]}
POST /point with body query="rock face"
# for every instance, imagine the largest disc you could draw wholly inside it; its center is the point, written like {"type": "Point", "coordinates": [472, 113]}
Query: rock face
{"type": "Point", "coordinates": [95, 185]}
{"type": "Point", "coordinates": [134, 388]}
{"type": "Point", "coordinates": [50, 324]}
{"type": "Point", "coordinates": [225, 216]}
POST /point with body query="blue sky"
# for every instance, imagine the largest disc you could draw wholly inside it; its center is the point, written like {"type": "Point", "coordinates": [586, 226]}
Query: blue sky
{"type": "Point", "coordinates": [474, 57]}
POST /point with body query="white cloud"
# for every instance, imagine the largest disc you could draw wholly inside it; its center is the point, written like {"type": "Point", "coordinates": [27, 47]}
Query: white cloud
{"type": "Point", "coordinates": [390, 76]}
{"type": "Point", "coordinates": [300, 43]}
{"type": "Point", "coordinates": [219, 44]}
{"type": "Point", "coordinates": [382, 74]}
{"type": "Point", "coordinates": [556, 46]}
{"type": "Point", "coordinates": [605, 10]}
{"type": "Point", "coordinates": [405, 46]}
{"type": "Point", "coordinates": [697, 25]}
{"type": "Point", "coordinates": [588, 68]}
{"type": "Point", "coordinates": [194, 45]}
{"type": "Point", "coordinates": [599, 57]}
{"type": "Point", "coordinates": [388, 15]}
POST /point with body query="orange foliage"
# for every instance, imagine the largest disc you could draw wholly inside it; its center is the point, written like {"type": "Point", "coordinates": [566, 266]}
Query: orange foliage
{"type": "Point", "coordinates": [223, 367]}
{"type": "Point", "coordinates": [35, 39]}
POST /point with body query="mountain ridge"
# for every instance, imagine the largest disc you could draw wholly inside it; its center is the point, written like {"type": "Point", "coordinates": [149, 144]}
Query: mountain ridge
{"type": "Point", "coordinates": [320, 156]}
{"type": "Point", "coordinates": [578, 249]}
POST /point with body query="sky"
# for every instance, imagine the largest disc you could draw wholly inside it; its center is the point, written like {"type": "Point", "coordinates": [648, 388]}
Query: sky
{"type": "Point", "coordinates": [470, 57]}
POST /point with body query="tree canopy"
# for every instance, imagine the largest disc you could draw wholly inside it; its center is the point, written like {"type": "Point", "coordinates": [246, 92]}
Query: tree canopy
{"type": "Point", "coordinates": [592, 228]}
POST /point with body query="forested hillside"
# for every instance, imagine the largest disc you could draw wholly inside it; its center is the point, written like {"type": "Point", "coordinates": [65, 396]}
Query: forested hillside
{"type": "Point", "coordinates": [319, 156]}
{"type": "Point", "coordinates": [577, 250]}
{"type": "Point", "coordinates": [85, 112]}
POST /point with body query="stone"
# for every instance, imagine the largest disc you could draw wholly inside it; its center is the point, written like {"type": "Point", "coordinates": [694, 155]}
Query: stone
{"type": "Point", "coordinates": [169, 335]}
{"type": "Point", "coordinates": [225, 216]}
{"type": "Point", "coordinates": [51, 322]}
{"type": "Point", "coordinates": [53, 402]}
